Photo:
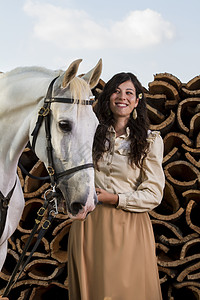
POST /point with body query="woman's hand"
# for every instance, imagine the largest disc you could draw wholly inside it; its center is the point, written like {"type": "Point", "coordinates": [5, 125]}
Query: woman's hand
{"type": "Point", "coordinates": [107, 198]}
{"type": "Point", "coordinates": [4, 298]}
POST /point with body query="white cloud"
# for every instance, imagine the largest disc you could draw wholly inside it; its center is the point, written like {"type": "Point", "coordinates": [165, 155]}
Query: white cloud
{"type": "Point", "coordinates": [141, 29]}
{"type": "Point", "coordinates": [73, 29]}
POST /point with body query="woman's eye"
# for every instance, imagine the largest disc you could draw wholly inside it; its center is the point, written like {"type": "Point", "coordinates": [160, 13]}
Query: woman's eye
{"type": "Point", "coordinates": [65, 126]}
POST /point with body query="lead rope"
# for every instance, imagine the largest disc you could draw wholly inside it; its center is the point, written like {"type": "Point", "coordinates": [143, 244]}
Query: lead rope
{"type": "Point", "coordinates": [49, 197]}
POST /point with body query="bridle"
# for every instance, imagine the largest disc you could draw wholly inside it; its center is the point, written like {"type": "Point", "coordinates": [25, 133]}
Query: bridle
{"type": "Point", "coordinates": [51, 195]}
{"type": "Point", "coordinates": [45, 114]}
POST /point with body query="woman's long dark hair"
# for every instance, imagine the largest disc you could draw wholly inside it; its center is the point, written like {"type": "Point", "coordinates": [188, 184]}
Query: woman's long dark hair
{"type": "Point", "coordinates": [138, 127]}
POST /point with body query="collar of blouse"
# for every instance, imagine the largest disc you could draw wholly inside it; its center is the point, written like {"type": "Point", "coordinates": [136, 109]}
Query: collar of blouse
{"type": "Point", "coordinates": [112, 133]}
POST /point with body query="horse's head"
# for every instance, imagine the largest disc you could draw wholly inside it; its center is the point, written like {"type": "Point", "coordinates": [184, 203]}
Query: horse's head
{"type": "Point", "coordinates": [72, 128]}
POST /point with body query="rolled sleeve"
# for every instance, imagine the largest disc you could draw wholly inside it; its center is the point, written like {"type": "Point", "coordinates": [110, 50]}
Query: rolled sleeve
{"type": "Point", "coordinates": [122, 201]}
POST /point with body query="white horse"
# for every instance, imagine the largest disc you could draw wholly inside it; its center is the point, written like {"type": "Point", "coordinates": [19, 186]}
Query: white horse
{"type": "Point", "coordinates": [72, 127]}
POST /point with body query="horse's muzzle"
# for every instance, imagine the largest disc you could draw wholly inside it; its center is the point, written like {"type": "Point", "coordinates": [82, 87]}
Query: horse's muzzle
{"type": "Point", "coordinates": [78, 204]}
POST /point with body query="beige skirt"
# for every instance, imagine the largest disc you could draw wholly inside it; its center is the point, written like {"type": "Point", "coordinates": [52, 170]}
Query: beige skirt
{"type": "Point", "coordinates": [112, 254]}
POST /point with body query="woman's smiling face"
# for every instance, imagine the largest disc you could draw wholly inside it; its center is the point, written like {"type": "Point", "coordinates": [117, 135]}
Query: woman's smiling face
{"type": "Point", "coordinates": [123, 100]}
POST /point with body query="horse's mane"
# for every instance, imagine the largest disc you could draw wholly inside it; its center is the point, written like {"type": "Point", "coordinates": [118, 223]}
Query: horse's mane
{"type": "Point", "coordinates": [77, 84]}
{"type": "Point", "coordinates": [36, 69]}
{"type": "Point", "coordinates": [78, 87]}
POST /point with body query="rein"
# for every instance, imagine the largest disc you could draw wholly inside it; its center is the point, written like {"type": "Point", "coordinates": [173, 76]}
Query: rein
{"type": "Point", "coordinates": [50, 196]}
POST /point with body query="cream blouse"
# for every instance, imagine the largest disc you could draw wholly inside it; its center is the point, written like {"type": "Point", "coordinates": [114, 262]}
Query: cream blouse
{"type": "Point", "coordinates": [138, 190]}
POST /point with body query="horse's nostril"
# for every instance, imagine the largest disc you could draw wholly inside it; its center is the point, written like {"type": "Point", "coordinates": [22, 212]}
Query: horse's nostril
{"type": "Point", "coordinates": [76, 207]}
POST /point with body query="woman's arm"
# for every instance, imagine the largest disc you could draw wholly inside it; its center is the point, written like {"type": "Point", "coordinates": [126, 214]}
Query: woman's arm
{"type": "Point", "coordinates": [150, 191]}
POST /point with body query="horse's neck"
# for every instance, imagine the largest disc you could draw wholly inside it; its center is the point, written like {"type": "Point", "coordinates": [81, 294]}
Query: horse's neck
{"type": "Point", "coordinates": [14, 137]}
{"type": "Point", "coordinates": [17, 110]}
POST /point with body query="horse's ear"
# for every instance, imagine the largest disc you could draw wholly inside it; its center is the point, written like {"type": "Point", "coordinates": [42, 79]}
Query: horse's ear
{"type": "Point", "coordinates": [92, 77]}
{"type": "Point", "coordinates": [70, 73]}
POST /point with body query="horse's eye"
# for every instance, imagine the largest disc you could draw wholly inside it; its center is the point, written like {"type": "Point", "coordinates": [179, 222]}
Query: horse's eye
{"type": "Point", "coordinates": [65, 126]}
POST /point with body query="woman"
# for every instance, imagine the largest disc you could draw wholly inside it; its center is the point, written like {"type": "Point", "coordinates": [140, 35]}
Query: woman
{"type": "Point", "coordinates": [112, 253]}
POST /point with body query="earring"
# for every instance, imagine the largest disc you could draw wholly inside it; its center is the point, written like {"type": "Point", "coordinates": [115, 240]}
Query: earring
{"type": "Point", "coordinates": [134, 114]}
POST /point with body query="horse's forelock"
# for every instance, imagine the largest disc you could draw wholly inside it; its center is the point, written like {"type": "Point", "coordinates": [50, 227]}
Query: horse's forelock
{"type": "Point", "coordinates": [79, 88]}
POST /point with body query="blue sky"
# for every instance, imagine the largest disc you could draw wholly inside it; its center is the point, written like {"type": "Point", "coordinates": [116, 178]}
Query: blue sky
{"type": "Point", "coordinates": [143, 37]}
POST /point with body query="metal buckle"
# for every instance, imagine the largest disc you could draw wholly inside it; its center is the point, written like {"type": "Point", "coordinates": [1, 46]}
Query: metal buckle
{"type": "Point", "coordinates": [41, 212]}
{"type": "Point", "coordinates": [43, 112]}
{"type": "Point", "coordinates": [46, 224]}
{"type": "Point", "coordinates": [51, 171]}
